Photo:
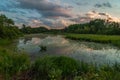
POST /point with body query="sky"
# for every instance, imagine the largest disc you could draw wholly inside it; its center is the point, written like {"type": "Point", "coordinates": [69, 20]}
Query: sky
{"type": "Point", "coordinates": [59, 13]}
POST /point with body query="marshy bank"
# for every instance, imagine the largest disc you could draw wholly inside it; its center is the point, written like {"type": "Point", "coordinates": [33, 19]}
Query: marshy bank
{"type": "Point", "coordinates": [110, 39]}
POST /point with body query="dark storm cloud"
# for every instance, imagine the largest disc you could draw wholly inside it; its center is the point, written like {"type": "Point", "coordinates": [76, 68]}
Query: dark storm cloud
{"type": "Point", "coordinates": [46, 8]}
{"type": "Point", "coordinates": [107, 4]}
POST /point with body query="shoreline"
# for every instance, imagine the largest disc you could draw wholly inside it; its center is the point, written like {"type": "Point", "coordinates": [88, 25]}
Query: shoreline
{"type": "Point", "coordinates": [109, 39]}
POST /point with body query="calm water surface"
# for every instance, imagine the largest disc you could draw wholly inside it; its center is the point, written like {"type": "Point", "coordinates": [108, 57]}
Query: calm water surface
{"type": "Point", "coordinates": [58, 45]}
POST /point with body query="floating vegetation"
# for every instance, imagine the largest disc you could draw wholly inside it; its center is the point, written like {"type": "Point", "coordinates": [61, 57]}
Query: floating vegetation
{"type": "Point", "coordinates": [43, 48]}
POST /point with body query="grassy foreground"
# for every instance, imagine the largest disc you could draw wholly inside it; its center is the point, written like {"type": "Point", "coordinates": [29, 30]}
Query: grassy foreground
{"type": "Point", "coordinates": [4, 42]}
{"type": "Point", "coordinates": [12, 63]}
{"type": "Point", "coordinates": [115, 40]}
{"type": "Point", "coordinates": [15, 66]}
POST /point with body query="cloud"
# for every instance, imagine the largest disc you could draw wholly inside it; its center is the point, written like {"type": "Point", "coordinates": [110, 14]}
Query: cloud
{"type": "Point", "coordinates": [1, 12]}
{"type": "Point", "coordinates": [81, 3]}
{"type": "Point", "coordinates": [107, 4]}
{"type": "Point", "coordinates": [58, 24]}
{"type": "Point", "coordinates": [80, 19]}
{"type": "Point", "coordinates": [62, 23]}
{"type": "Point", "coordinates": [46, 8]}
{"type": "Point", "coordinates": [35, 23]}
{"type": "Point", "coordinates": [91, 15]}
{"type": "Point", "coordinates": [102, 15]}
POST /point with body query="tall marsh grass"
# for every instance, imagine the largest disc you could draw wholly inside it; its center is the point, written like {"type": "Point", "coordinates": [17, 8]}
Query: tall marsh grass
{"type": "Point", "coordinates": [4, 42]}
{"type": "Point", "coordinates": [53, 68]}
{"type": "Point", "coordinates": [115, 40]}
{"type": "Point", "coordinates": [12, 64]}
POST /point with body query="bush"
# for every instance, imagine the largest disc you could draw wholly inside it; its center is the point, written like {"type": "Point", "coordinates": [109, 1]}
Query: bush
{"type": "Point", "coordinates": [12, 64]}
{"type": "Point", "coordinates": [54, 68]}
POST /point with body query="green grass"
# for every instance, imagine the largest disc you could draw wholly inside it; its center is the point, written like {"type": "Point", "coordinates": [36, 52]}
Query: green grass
{"type": "Point", "coordinates": [18, 67]}
{"type": "Point", "coordinates": [4, 42]}
{"type": "Point", "coordinates": [57, 68]}
{"type": "Point", "coordinates": [11, 63]}
{"type": "Point", "coordinates": [65, 68]}
{"type": "Point", "coordinates": [115, 40]}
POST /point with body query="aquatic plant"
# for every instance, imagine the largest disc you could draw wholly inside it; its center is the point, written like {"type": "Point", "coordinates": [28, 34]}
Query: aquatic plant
{"type": "Point", "coordinates": [43, 48]}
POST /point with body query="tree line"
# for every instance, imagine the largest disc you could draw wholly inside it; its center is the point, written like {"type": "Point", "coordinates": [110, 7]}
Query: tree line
{"type": "Point", "coordinates": [8, 29]}
{"type": "Point", "coordinates": [97, 26]}
{"type": "Point", "coordinates": [28, 29]}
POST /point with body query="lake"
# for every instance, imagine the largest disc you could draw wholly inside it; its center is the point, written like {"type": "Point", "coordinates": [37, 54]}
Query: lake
{"type": "Point", "coordinates": [57, 45]}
